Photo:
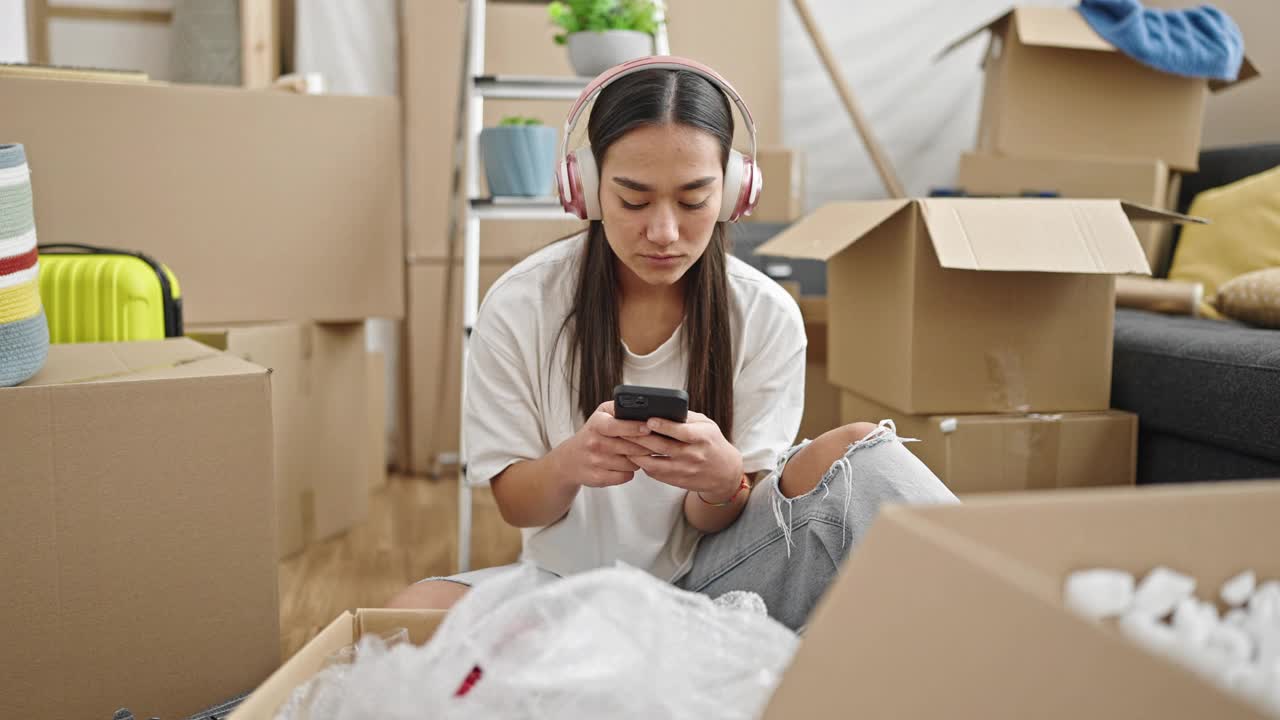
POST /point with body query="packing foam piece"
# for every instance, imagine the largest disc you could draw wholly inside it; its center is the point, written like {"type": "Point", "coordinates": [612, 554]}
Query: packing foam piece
{"type": "Point", "coordinates": [1149, 632]}
{"type": "Point", "coordinates": [1246, 679]}
{"type": "Point", "coordinates": [1192, 623]}
{"type": "Point", "coordinates": [1210, 664]}
{"type": "Point", "coordinates": [1234, 642]}
{"type": "Point", "coordinates": [1100, 593]}
{"type": "Point", "coordinates": [1264, 604]}
{"type": "Point", "coordinates": [1236, 616]}
{"type": "Point", "coordinates": [1161, 591]}
{"type": "Point", "coordinates": [1236, 591]}
{"type": "Point", "coordinates": [1268, 641]}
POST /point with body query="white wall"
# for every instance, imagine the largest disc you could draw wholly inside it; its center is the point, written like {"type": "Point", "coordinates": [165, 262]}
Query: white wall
{"type": "Point", "coordinates": [925, 113]}
{"type": "Point", "coordinates": [354, 45]}
{"type": "Point", "coordinates": [13, 31]}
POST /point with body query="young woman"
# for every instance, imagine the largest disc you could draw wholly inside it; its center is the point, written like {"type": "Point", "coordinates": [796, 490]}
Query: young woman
{"type": "Point", "coordinates": [649, 295]}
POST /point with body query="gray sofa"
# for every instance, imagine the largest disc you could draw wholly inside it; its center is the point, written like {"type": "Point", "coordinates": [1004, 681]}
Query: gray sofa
{"type": "Point", "coordinates": [1207, 393]}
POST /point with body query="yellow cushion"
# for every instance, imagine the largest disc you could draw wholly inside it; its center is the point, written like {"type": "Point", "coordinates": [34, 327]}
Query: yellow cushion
{"type": "Point", "coordinates": [1252, 298]}
{"type": "Point", "coordinates": [1243, 234]}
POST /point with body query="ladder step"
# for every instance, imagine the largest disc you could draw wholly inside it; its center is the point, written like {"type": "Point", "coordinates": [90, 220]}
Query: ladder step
{"type": "Point", "coordinates": [513, 208]}
{"type": "Point", "coordinates": [530, 87]}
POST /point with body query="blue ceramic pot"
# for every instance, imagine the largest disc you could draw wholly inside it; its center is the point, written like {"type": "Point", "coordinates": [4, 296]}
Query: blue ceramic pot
{"type": "Point", "coordinates": [519, 159]}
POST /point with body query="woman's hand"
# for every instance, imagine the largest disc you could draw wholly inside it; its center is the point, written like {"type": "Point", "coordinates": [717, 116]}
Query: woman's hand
{"type": "Point", "coordinates": [598, 454]}
{"type": "Point", "coordinates": [698, 457]}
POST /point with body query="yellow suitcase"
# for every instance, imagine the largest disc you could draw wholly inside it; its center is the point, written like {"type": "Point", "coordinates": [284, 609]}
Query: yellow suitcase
{"type": "Point", "coordinates": [97, 294]}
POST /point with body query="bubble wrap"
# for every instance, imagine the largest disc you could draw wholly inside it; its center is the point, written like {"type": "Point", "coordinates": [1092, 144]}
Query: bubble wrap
{"type": "Point", "coordinates": [614, 643]}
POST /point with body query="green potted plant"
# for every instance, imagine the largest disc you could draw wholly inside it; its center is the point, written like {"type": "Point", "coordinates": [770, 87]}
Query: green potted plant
{"type": "Point", "coordinates": [604, 33]}
{"type": "Point", "coordinates": [519, 156]}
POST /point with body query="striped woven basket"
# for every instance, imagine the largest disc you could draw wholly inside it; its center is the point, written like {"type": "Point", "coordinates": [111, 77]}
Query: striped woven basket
{"type": "Point", "coordinates": [24, 334]}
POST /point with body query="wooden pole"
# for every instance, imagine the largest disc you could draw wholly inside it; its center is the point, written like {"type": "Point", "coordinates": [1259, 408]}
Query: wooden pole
{"type": "Point", "coordinates": [38, 32]}
{"type": "Point", "coordinates": [259, 43]}
{"type": "Point", "coordinates": [878, 155]}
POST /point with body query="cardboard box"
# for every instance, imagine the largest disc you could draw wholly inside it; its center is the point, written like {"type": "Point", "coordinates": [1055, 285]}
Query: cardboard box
{"type": "Point", "coordinates": [970, 305]}
{"type": "Point", "coordinates": [435, 357]}
{"type": "Point", "coordinates": [1055, 87]}
{"type": "Point", "coordinates": [969, 597]}
{"type": "Point", "coordinates": [266, 205]}
{"type": "Point", "coordinates": [1008, 453]}
{"type": "Point", "coordinates": [1145, 182]}
{"type": "Point", "coordinates": [346, 630]}
{"type": "Point", "coordinates": [137, 541]}
{"type": "Point", "coordinates": [783, 198]}
{"type": "Point", "coordinates": [320, 410]}
{"type": "Point", "coordinates": [376, 368]}
{"type": "Point", "coordinates": [821, 398]}
{"type": "Point", "coordinates": [740, 39]}
{"type": "Point", "coordinates": [519, 41]}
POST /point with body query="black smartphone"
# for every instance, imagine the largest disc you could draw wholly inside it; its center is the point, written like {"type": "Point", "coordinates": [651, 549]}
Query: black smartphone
{"type": "Point", "coordinates": [637, 402]}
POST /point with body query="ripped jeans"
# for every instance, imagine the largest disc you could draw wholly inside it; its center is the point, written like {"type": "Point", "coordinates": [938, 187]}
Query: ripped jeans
{"type": "Point", "coordinates": [788, 550]}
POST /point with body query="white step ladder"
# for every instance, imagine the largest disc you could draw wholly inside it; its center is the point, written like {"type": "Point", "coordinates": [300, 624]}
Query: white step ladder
{"type": "Point", "coordinates": [476, 87]}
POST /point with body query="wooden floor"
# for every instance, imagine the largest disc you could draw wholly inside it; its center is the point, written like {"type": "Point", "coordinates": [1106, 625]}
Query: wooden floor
{"type": "Point", "coordinates": [411, 533]}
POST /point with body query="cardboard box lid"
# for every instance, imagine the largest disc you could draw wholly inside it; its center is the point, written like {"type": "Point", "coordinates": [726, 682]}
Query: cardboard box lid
{"type": "Point", "coordinates": [1065, 27]}
{"type": "Point", "coordinates": [171, 359]}
{"type": "Point", "coordinates": [1007, 234]}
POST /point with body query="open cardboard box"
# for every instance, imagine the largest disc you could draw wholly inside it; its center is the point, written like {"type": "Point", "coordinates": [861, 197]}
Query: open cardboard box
{"type": "Point", "coordinates": [1054, 86]}
{"type": "Point", "coordinates": [972, 305]}
{"type": "Point", "coordinates": [957, 612]}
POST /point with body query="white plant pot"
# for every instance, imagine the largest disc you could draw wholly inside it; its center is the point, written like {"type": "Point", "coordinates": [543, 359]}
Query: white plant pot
{"type": "Point", "coordinates": [591, 53]}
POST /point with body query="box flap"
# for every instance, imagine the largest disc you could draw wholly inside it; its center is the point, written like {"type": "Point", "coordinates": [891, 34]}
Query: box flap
{"type": "Point", "coordinates": [264, 701]}
{"type": "Point", "coordinates": [830, 229]}
{"type": "Point", "coordinates": [1062, 27]}
{"type": "Point", "coordinates": [149, 360]}
{"type": "Point", "coordinates": [1036, 235]}
{"type": "Point", "coordinates": [421, 624]}
{"type": "Point", "coordinates": [963, 39]}
{"type": "Point", "coordinates": [1138, 211]}
{"type": "Point", "coordinates": [1248, 71]}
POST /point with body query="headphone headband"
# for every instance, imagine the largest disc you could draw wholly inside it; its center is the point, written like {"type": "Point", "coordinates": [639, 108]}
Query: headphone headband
{"type": "Point", "coordinates": [655, 62]}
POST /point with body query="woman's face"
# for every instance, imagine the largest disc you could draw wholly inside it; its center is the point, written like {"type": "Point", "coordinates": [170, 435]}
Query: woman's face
{"type": "Point", "coordinates": [660, 190]}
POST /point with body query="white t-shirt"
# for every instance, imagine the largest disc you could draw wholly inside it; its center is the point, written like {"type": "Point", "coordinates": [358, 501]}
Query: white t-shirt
{"type": "Point", "coordinates": [520, 405]}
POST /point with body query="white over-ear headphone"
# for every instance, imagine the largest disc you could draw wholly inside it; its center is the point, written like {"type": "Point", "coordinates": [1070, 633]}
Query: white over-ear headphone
{"type": "Point", "coordinates": [578, 177]}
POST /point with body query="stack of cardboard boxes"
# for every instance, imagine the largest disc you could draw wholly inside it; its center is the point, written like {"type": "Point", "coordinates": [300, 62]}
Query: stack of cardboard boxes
{"type": "Point", "coordinates": [150, 488]}
{"type": "Point", "coordinates": [981, 327]}
{"type": "Point", "coordinates": [1065, 112]}
{"type": "Point", "coordinates": [432, 53]}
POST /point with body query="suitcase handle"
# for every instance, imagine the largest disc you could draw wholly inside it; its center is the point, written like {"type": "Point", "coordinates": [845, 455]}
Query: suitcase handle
{"type": "Point", "coordinates": [172, 308]}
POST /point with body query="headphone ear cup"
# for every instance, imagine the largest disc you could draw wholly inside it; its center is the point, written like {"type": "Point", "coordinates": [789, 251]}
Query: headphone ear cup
{"type": "Point", "coordinates": [588, 183]}
{"type": "Point", "coordinates": [735, 174]}
{"type": "Point", "coordinates": [751, 195]}
{"type": "Point", "coordinates": [567, 187]}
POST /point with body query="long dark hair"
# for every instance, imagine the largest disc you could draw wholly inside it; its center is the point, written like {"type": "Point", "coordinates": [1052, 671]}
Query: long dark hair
{"type": "Point", "coordinates": [655, 97]}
